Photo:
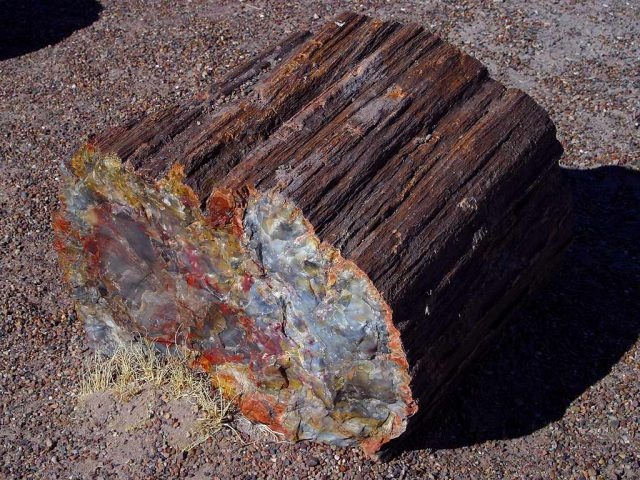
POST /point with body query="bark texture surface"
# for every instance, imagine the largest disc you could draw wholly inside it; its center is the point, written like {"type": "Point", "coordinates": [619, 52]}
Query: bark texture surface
{"type": "Point", "coordinates": [442, 185]}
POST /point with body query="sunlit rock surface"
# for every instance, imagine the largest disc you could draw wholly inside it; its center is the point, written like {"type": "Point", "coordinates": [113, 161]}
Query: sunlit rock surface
{"type": "Point", "coordinates": [297, 334]}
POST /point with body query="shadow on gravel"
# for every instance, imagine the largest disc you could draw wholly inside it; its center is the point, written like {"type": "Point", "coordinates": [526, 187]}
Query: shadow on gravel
{"type": "Point", "coordinates": [569, 336]}
{"type": "Point", "coordinates": [29, 25]}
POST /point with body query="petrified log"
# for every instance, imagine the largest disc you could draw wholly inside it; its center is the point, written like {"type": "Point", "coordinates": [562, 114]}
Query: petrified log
{"type": "Point", "coordinates": [435, 190]}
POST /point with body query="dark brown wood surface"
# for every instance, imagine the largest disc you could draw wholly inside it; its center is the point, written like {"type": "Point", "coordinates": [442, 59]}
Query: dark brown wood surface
{"type": "Point", "coordinates": [439, 182]}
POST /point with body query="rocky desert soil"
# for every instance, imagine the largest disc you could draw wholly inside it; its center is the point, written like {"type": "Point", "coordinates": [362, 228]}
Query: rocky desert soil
{"type": "Point", "coordinates": [558, 397]}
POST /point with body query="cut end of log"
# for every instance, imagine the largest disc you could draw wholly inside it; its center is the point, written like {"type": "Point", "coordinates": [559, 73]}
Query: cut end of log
{"type": "Point", "coordinates": [296, 334]}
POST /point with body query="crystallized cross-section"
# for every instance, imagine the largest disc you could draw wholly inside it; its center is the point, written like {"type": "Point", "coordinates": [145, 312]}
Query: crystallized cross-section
{"type": "Point", "coordinates": [295, 333]}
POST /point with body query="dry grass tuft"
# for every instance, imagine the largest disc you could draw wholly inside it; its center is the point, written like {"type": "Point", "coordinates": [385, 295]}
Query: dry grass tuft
{"type": "Point", "coordinates": [136, 366]}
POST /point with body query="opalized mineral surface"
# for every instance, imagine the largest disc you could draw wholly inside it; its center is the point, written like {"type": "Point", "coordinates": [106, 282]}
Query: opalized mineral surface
{"type": "Point", "coordinates": [296, 334]}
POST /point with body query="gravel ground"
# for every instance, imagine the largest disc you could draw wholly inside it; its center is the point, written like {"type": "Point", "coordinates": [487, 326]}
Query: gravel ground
{"type": "Point", "coordinates": [557, 397]}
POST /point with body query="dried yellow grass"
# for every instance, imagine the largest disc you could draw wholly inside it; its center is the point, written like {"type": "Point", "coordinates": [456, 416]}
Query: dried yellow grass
{"type": "Point", "coordinates": [136, 366]}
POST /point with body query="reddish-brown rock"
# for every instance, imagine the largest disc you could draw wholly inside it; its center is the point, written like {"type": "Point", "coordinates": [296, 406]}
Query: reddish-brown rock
{"type": "Point", "coordinates": [439, 183]}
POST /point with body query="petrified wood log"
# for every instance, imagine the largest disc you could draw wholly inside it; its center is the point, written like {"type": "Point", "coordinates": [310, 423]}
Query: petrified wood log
{"type": "Point", "coordinates": [436, 191]}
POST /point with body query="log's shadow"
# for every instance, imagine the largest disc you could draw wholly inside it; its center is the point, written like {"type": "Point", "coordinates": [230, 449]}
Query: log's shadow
{"type": "Point", "coordinates": [29, 25]}
{"type": "Point", "coordinates": [569, 336]}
